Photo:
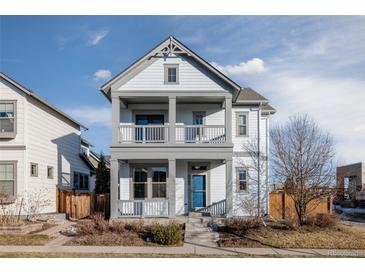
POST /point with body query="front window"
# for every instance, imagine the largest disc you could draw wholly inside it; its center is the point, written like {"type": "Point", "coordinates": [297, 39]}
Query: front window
{"type": "Point", "coordinates": [149, 182]}
{"type": "Point", "coordinates": [241, 124]}
{"type": "Point", "coordinates": [7, 178]}
{"type": "Point", "coordinates": [81, 181]}
{"type": "Point", "coordinates": [159, 175]}
{"type": "Point", "coordinates": [7, 118]}
{"type": "Point", "coordinates": [242, 180]}
{"type": "Point", "coordinates": [140, 183]}
{"type": "Point", "coordinates": [33, 169]}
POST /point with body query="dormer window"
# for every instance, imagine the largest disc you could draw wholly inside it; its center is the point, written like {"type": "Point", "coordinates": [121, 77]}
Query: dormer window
{"type": "Point", "coordinates": [7, 119]}
{"type": "Point", "coordinates": [172, 74]}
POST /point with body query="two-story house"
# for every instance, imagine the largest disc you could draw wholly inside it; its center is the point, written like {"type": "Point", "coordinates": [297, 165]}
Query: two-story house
{"type": "Point", "coordinates": [40, 149]}
{"type": "Point", "coordinates": [178, 130]}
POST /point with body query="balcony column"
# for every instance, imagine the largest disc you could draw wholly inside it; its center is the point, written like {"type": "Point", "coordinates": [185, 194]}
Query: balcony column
{"type": "Point", "coordinates": [229, 188]}
{"type": "Point", "coordinates": [114, 182]}
{"type": "Point", "coordinates": [115, 119]}
{"type": "Point", "coordinates": [172, 188]}
{"type": "Point", "coordinates": [228, 119]}
{"type": "Point", "coordinates": [172, 119]}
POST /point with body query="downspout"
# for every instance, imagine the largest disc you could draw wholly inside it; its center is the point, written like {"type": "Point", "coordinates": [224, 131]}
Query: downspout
{"type": "Point", "coordinates": [267, 164]}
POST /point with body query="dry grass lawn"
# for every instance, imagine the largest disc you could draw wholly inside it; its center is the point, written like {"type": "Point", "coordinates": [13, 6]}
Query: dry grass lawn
{"type": "Point", "coordinates": [338, 237]}
{"type": "Point", "coordinates": [27, 239]}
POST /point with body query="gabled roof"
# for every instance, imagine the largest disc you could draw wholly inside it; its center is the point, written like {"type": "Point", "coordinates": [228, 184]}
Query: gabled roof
{"type": "Point", "coordinates": [169, 45]}
{"type": "Point", "coordinates": [39, 99]}
{"type": "Point", "coordinates": [249, 95]}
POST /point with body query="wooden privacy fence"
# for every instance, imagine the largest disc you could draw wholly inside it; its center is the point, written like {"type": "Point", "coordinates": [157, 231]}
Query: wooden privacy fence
{"type": "Point", "coordinates": [75, 205]}
{"type": "Point", "coordinates": [282, 206]}
{"type": "Point", "coordinates": [102, 204]}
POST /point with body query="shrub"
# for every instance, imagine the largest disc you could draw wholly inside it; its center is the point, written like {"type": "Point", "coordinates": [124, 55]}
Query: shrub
{"type": "Point", "coordinates": [170, 234]}
{"type": "Point", "coordinates": [239, 226]}
{"type": "Point", "coordinates": [86, 228]}
{"type": "Point", "coordinates": [100, 223]}
{"type": "Point", "coordinates": [136, 226]}
{"type": "Point", "coordinates": [322, 220]}
{"type": "Point", "coordinates": [118, 227]}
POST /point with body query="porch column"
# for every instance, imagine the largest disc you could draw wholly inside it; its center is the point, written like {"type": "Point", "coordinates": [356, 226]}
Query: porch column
{"type": "Point", "coordinates": [172, 188]}
{"type": "Point", "coordinates": [229, 188]}
{"type": "Point", "coordinates": [114, 182]}
{"type": "Point", "coordinates": [172, 119]}
{"type": "Point", "coordinates": [115, 119]}
{"type": "Point", "coordinates": [228, 119]}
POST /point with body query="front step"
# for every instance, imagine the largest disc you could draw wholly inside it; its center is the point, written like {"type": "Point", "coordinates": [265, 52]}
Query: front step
{"type": "Point", "coordinates": [198, 230]}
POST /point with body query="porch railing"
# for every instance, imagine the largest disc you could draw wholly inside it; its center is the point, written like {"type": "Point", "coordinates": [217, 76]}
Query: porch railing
{"type": "Point", "coordinates": [215, 209]}
{"type": "Point", "coordinates": [200, 134]}
{"type": "Point", "coordinates": [143, 208]}
{"type": "Point", "coordinates": [143, 134]}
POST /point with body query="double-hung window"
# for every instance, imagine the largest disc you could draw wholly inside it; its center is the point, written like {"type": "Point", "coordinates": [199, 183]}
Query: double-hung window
{"type": "Point", "coordinates": [241, 120]}
{"type": "Point", "coordinates": [158, 182]}
{"type": "Point", "coordinates": [241, 179]}
{"type": "Point", "coordinates": [8, 178]}
{"type": "Point", "coordinates": [149, 182]}
{"type": "Point", "coordinates": [171, 74]}
{"type": "Point", "coordinates": [7, 119]}
{"type": "Point", "coordinates": [33, 169]}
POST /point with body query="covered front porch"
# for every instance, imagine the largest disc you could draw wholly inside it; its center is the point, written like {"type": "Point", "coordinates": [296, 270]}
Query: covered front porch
{"type": "Point", "coordinates": [169, 188]}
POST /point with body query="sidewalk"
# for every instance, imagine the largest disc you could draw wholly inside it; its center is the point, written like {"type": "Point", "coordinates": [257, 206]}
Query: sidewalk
{"type": "Point", "coordinates": [186, 249]}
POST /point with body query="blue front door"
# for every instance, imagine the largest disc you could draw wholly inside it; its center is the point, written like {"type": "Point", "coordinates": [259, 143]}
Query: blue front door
{"type": "Point", "coordinates": [198, 191]}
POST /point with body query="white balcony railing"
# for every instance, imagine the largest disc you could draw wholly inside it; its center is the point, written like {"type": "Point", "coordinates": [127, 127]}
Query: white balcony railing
{"type": "Point", "coordinates": [143, 208]}
{"type": "Point", "coordinates": [200, 134]}
{"type": "Point", "coordinates": [143, 134]}
{"type": "Point", "coordinates": [207, 134]}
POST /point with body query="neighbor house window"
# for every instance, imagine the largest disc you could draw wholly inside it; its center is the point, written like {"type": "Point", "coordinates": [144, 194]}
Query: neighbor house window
{"type": "Point", "coordinates": [33, 169]}
{"type": "Point", "coordinates": [81, 181]}
{"type": "Point", "coordinates": [241, 179]}
{"type": "Point", "coordinates": [241, 120]}
{"type": "Point", "coordinates": [50, 172]}
{"type": "Point", "coordinates": [158, 175]}
{"type": "Point", "coordinates": [7, 177]}
{"type": "Point", "coordinates": [7, 119]}
{"type": "Point", "coordinates": [140, 176]}
{"type": "Point", "coordinates": [171, 74]}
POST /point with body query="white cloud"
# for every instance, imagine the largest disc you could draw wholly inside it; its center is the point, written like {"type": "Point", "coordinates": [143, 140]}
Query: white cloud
{"type": "Point", "coordinates": [253, 66]}
{"type": "Point", "coordinates": [96, 36]}
{"type": "Point", "coordinates": [102, 74]}
{"type": "Point", "coordinates": [334, 103]}
{"type": "Point", "coordinates": [91, 116]}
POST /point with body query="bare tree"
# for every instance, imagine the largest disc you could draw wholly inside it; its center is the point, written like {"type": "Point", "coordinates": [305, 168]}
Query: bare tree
{"type": "Point", "coordinates": [256, 166]}
{"type": "Point", "coordinates": [302, 158]}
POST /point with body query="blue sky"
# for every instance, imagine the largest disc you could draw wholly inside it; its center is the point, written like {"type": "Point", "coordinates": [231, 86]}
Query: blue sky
{"type": "Point", "coordinates": [305, 64]}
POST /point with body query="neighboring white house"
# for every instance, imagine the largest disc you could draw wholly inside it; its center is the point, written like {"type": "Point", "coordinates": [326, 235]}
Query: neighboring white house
{"type": "Point", "coordinates": [40, 149]}
{"type": "Point", "coordinates": [179, 127]}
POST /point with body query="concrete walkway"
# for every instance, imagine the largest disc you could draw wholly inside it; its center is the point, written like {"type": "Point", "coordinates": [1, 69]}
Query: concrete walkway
{"type": "Point", "coordinates": [187, 249]}
{"type": "Point", "coordinates": [54, 232]}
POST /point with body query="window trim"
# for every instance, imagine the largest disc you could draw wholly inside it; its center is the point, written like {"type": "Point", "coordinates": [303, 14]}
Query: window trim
{"type": "Point", "coordinates": [238, 170]}
{"type": "Point", "coordinates": [166, 69]}
{"type": "Point", "coordinates": [36, 175]}
{"type": "Point", "coordinates": [149, 182]}
{"type": "Point", "coordinates": [52, 176]}
{"type": "Point", "coordinates": [10, 135]}
{"type": "Point", "coordinates": [246, 113]}
{"type": "Point", "coordinates": [15, 179]}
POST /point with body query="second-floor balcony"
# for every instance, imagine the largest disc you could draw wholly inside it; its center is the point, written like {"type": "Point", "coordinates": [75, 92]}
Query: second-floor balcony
{"type": "Point", "coordinates": [203, 134]}
{"type": "Point", "coordinates": [188, 118]}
